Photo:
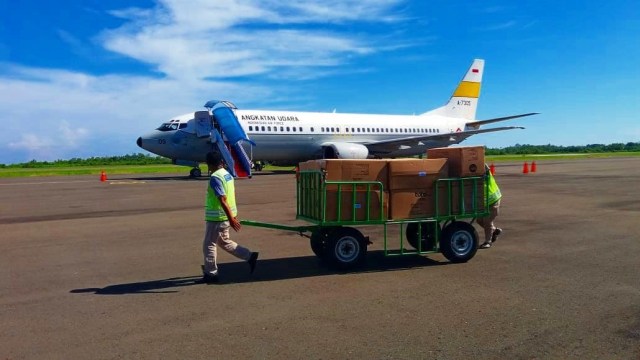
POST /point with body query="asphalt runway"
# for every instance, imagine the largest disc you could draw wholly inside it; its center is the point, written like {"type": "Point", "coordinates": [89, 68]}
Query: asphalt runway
{"type": "Point", "coordinates": [107, 270]}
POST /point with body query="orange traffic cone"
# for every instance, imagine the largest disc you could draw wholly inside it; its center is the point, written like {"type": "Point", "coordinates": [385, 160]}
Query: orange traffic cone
{"type": "Point", "coordinates": [533, 166]}
{"type": "Point", "coordinates": [525, 168]}
{"type": "Point", "coordinates": [492, 168]}
{"type": "Point", "coordinates": [103, 176]}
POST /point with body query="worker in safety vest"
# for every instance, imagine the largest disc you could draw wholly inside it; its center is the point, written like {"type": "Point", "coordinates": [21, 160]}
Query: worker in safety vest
{"type": "Point", "coordinates": [220, 214]}
{"type": "Point", "coordinates": [491, 232]}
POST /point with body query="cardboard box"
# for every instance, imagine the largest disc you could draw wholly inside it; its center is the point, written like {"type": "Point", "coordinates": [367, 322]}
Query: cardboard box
{"type": "Point", "coordinates": [406, 174]}
{"type": "Point", "coordinates": [412, 204]}
{"type": "Point", "coordinates": [468, 205]}
{"type": "Point", "coordinates": [463, 161]}
{"type": "Point", "coordinates": [421, 202]}
{"type": "Point", "coordinates": [350, 170]}
{"type": "Point", "coordinates": [347, 205]}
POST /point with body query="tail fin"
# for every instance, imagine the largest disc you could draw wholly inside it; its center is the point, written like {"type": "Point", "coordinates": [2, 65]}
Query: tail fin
{"type": "Point", "coordinates": [464, 101]}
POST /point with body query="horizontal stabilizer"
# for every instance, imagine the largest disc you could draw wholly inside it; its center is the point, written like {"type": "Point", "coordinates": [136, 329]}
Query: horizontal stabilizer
{"type": "Point", "coordinates": [489, 121]}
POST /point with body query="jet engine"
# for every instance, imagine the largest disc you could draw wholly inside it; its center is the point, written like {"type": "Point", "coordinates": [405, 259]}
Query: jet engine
{"type": "Point", "coordinates": [344, 151]}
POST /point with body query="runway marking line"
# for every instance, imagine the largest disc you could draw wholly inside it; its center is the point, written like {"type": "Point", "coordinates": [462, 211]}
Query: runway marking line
{"type": "Point", "coordinates": [48, 182]}
{"type": "Point", "coordinates": [111, 182]}
{"type": "Point", "coordinates": [126, 182]}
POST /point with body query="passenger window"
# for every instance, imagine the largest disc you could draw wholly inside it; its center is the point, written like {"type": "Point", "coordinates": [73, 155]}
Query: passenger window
{"type": "Point", "coordinates": [269, 128]}
{"type": "Point", "coordinates": [294, 129]}
{"type": "Point", "coordinates": [263, 128]}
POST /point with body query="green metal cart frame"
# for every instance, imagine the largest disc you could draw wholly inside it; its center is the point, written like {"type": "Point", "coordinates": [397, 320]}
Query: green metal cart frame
{"type": "Point", "coordinates": [333, 237]}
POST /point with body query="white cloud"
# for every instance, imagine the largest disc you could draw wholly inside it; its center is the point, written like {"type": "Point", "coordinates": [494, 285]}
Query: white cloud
{"type": "Point", "coordinates": [54, 114]}
{"type": "Point", "coordinates": [31, 142]}
{"type": "Point", "coordinates": [198, 48]}
{"type": "Point", "coordinates": [501, 26]}
{"type": "Point", "coordinates": [229, 38]}
{"type": "Point", "coordinates": [52, 144]}
{"type": "Point", "coordinates": [72, 136]}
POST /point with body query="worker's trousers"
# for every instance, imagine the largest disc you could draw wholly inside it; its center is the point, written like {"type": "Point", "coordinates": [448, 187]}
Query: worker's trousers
{"type": "Point", "coordinates": [487, 222]}
{"type": "Point", "coordinates": [217, 233]}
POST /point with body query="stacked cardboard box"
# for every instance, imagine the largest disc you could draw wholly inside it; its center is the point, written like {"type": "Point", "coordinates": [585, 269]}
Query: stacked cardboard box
{"type": "Point", "coordinates": [350, 170]}
{"type": "Point", "coordinates": [342, 199]}
{"type": "Point", "coordinates": [411, 187]}
{"type": "Point", "coordinates": [463, 161]}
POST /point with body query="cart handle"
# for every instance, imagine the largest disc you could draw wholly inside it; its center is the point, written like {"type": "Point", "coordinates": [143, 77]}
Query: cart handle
{"type": "Point", "coordinates": [299, 229]}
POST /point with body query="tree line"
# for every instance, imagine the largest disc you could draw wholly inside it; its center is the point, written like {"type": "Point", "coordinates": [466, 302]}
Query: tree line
{"type": "Point", "coordinates": [518, 149]}
{"type": "Point", "coordinates": [526, 149]}
{"type": "Point", "coordinates": [132, 159]}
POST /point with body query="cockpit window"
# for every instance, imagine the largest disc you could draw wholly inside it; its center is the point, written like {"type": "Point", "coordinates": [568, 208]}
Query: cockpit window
{"type": "Point", "coordinates": [170, 126]}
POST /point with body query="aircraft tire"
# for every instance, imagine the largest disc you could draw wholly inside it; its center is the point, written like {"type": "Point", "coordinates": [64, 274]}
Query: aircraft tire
{"type": "Point", "coordinates": [195, 172]}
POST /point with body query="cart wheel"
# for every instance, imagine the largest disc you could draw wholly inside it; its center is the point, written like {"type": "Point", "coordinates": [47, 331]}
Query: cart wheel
{"type": "Point", "coordinates": [346, 248]}
{"type": "Point", "coordinates": [459, 241]}
{"type": "Point", "coordinates": [318, 242]}
{"type": "Point", "coordinates": [428, 235]}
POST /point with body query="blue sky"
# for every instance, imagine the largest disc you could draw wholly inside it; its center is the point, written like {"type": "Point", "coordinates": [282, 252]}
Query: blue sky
{"type": "Point", "coordinates": [86, 78]}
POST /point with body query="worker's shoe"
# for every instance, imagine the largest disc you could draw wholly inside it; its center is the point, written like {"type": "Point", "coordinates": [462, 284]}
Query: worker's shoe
{"type": "Point", "coordinates": [252, 261]}
{"type": "Point", "coordinates": [486, 245]}
{"type": "Point", "coordinates": [209, 279]}
{"type": "Point", "coordinates": [495, 234]}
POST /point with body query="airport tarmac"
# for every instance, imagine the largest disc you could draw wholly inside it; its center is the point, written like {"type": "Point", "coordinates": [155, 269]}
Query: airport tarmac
{"type": "Point", "coordinates": [106, 270]}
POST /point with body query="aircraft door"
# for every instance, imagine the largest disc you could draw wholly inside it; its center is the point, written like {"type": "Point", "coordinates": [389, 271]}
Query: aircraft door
{"type": "Point", "coordinates": [204, 123]}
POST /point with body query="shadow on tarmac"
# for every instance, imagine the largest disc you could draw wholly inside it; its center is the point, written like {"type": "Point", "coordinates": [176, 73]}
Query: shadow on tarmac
{"type": "Point", "coordinates": [145, 287]}
{"type": "Point", "coordinates": [267, 270]}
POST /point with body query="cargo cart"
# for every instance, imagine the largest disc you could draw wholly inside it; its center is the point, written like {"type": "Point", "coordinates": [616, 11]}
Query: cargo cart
{"type": "Point", "coordinates": [335, 208]}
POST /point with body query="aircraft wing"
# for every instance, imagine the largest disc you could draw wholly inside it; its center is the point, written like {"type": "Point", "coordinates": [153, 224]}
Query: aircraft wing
{"type": "Point", "coordinates": [387, 146]}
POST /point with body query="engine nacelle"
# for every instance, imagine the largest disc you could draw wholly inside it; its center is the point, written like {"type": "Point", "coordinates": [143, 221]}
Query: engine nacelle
{"type": "Point", "coordinates": [344, 151]}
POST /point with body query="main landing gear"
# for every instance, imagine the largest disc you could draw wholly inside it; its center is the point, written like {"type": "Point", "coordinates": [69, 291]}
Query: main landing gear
{"type": "Point", "coordinates": [195, 172]}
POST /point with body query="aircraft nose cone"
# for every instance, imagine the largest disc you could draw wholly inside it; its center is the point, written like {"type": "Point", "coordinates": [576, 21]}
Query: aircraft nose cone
{"type": "Point", "coordinates": [139, 142]}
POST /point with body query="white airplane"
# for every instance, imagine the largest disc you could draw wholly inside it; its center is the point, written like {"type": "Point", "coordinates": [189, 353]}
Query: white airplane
{"type": "Point", "coordinates": [288, 137]}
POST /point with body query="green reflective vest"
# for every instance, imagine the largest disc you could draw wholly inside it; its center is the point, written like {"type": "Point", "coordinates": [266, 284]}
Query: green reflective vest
{"type": "Point", "coordinates": [213, 206]}
{"type": "Point", "coordinates": [493, 189]}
